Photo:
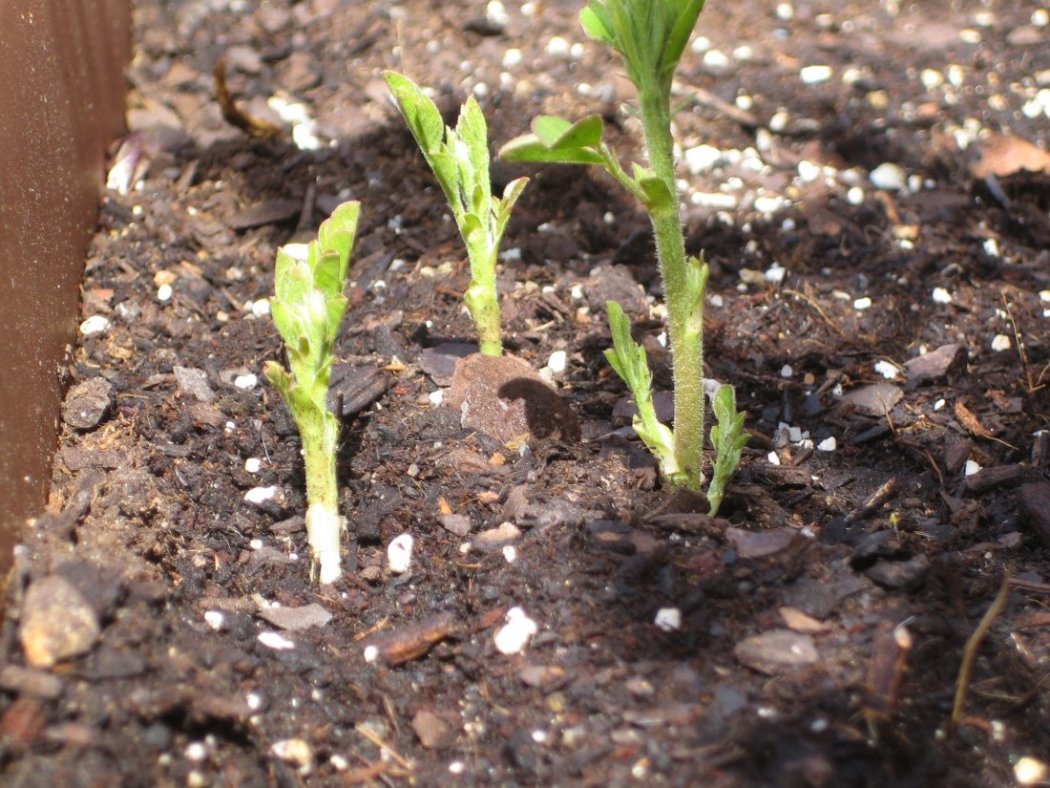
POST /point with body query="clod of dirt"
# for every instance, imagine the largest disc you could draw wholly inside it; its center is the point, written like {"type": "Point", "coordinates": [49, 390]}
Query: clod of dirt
{"type": "Point", "coordinates": [194, 383]}
{"type": "Point", "coordinates": [27, 681]}
{"type": "Point", "coordinates": [900, 575]}
{"type": "Point", "coordinates": [439, 362]}
{"type": "Point", "coordinates": [87, 403]}
{"type": "Point", "coordinates": [617, 283]}
{"type": "Point", "coordinates": [1034, 499]}
{"type": "Point", "coordinates": [776, 651]}
{"type": "Point", "coordinates": [506, 399]}
{"type": "Point", "coordinates": [431, 729]}
{"type": "Point", "coordinates": [759, 544]}
{"type": "Point", "coordinates": [1005, 154]}
{"type": "Point", "coordinates": [58, 623]}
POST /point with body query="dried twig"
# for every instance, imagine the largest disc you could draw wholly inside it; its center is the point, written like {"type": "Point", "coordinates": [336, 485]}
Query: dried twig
{"type": "Point", "coordinates": [874, 501]}
{"type": "Point", "coordinates": [972, 646]}
{"type": "Point", "coordinates": [889, 658]}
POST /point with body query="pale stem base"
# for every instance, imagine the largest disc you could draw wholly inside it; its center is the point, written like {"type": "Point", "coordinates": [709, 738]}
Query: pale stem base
{"type": "Point", "coordinates": [323, 530]}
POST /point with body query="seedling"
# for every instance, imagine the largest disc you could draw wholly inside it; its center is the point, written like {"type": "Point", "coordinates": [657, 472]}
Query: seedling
{"type": "Point", "coordinates": [459, 158]}
{"type": "Point", "coordinates": [650, 35]}
{"type": "Point", "coordinates": [307, 308]}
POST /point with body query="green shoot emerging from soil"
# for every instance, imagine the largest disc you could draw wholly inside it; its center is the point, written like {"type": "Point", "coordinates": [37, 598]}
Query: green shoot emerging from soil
{"type": "Point", "coordinates": [459, 158]}
{"type": "Point", "coordinates": [650, 35]}
{"type": "Point", "coordinates": [307, 308]}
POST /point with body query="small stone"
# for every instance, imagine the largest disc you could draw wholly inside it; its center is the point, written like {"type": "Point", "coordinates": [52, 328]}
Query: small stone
{"type": "Point", "coordinates": [876, 399]}
{"type": "Point", "coordinates": [27, 681]}
{"type": "Point", "coordinates": [431, 730]}
{"type": "Point", "coordinates": [887, 369]}
{"type": "Point", "coordinates": [557, 362]}
{"type": "Point", "coordinates": [776, 651]}
{"type": "Point", "coordinates": [58, 623]}
{"type": "Point", "coordinates": [295, 751]}
{"type": "Point", "coordinates": [889, 176]}
{"type": "Point", "coordinates": [496, 538]}
{"type": "Point", "coordinates": [276, 641]}
{"type": "Point", "coordinates": [828, 444]}
{"type": "Point", "coordinates": [294, 619]}
{"type": "Point", "coordinates": [702, 159]}
{"type": "Point", "coordinates": [1030, 771]}
{"type": "Point", "coordinates": [516, 633]}
{"type": "Point", "coordinates": [399, 554]}
{"type": "Point", "coordinates": [194, 382]}
{"type": "Point", "coordinates": [439, 362]}
{"type": "Point", "coordinates": [941, 296]}
{"type": "Point", "coordinates": [814, 75]}
{"type": "Point", "coordinates": [96, 324]}
{"type": "Point", "coordinates": [542, 676]}
{"type": "Point", "coordinates": [261, 495]}
{"type": "Point", "coordinates": [87, 403]}
{"type": "Point", "coordinates": [246, 382]}
{"type": "Point", "coordinates": [668, 619]}
{"type": "Point", "coordinates": [1001, 342]}
{"type": "Point", "coordinates": [458, 524]}
{"type": "Point", "coordinates": [798, 621]}
{"type": "Point", "coordinates": [558, 47]}
{"type": "Point", "coordinates": [936, 364]}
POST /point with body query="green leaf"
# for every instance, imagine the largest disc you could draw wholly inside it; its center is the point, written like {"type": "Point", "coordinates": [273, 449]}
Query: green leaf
{"type": "Point", "coordinates": [503, 207]}
{"type": "Point", "coordinates": [550, 128]}
{"type": "Point", "coordinates": [559, 134]}
{"type": "Point", "coordinates": [420, 113]}
{"type": "Point", "coordinates": [471, 129]}
{"type": "Point", "coordinates": [586, 133]}
{"type": "Point", "coordinates": [336, 309]}
{"type": "Point", "coordinates": [529, 148]}
{"type": "Point", "coordinates": [625, 356]}
{"type": "Point", "coordinates": [596, 23]}
{"type": "Point", "coordinates": [728, 438]}
{"type": "Point", "coordinates": [337, 234]}
{"type": "Point", "coordinates": [292, 278]}
{"type": "Point", "coordinates": [286, 321]}
{"type": "Point", "coordinates": [278, 377]}
{"type": "Point", "coordinates": [657, 197]}
{"type": "Point", "coordinates": [327, 272]}
{"type": "Point", "coordinates": [680, 32]}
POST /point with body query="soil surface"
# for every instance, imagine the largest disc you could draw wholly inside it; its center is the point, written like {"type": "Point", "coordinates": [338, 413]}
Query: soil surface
{"type": "Point", "coordinates": [879, 288]}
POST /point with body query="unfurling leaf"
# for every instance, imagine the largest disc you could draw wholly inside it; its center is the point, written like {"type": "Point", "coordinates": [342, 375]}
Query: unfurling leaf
{"type": "Point", "coordinates": [529, 149]}
{"type": "Point", "coordinates": [728, 438]}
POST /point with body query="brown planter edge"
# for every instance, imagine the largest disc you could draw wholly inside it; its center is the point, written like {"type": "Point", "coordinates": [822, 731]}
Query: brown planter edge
{"type": "Point", "coordinates": [62, 97]}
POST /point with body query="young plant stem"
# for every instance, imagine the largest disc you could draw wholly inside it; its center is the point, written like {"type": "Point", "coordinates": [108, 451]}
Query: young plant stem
{"type": "Point", "coordinates": [684, 310]}
{"type": "Point", "coordinates": [483, 304]}
{"type": "Point", "coordinates": [324, 525]}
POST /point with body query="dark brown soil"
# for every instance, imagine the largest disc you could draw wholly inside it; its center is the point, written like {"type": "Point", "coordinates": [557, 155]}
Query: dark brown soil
{"type": "Point", "coordinates": [784, 668]}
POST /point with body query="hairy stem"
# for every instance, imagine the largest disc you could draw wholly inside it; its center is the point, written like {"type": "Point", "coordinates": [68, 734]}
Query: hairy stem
{"type": "Point", "coordinates": [323, 523]}
{"type": "Point", "coordinates": [482, 302]}
{"type": "Point", "coordinates": [685, 312]}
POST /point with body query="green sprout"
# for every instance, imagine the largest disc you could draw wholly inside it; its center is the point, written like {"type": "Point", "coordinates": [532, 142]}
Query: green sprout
{"type": "Point", "coordinates": [650, 35]}
{"type": "Point", "coordinates": [307, 307]}
{"type": "Point", "coordinates": [459, 158]}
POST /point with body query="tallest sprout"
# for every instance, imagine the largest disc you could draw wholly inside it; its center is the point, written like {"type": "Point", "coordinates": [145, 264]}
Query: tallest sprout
{"type": "Point", "coordinates": [307, 307]}
{"type": "Point", "coordinates": [650, 36]}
